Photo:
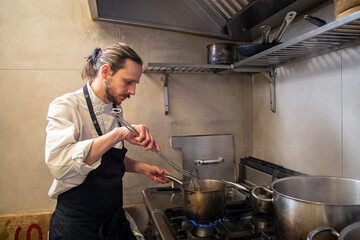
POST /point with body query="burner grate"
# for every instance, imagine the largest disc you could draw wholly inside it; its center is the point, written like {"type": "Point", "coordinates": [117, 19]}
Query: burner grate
{"type": "Point", "coordinates": [238, 223]}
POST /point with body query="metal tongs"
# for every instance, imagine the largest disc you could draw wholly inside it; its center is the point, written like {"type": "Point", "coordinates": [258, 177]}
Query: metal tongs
{"type": "Point", "coordinates": [116, 112]}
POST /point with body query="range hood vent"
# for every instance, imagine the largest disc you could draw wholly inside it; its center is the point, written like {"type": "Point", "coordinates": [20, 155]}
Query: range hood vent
{"type": "Point", "coordinates": [237, 20]}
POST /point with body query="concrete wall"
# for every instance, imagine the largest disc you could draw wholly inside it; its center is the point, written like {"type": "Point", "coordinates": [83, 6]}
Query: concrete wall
{"type": "Point", "coordinates": [42, 47]}
{"type": "Point", "coordinates": [315, 129]}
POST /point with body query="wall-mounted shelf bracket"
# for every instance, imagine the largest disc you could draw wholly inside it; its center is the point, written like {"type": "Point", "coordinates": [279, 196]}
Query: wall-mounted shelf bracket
{"type": "Point", "coordinates": [166, 78]}
{"type": "Point", "coordinates": [271, 77]}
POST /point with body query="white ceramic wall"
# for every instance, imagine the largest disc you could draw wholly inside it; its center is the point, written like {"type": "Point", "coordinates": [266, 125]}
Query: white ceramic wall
{"type": "Point", "coordinates": [42, 47]}
{"type": "Point", "coordinates": [315, 129]}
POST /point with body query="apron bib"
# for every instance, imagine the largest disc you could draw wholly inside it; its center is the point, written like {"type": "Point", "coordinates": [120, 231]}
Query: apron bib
{"type": "Point", "coordinates": [93, 210]}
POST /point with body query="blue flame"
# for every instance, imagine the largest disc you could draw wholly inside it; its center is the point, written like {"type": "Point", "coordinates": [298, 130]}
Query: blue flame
{"type": "Point", "coordinates": [204, 225]}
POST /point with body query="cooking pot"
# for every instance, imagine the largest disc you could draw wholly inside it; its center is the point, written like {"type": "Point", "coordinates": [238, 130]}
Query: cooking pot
{"type": "Point", "coordinates": [206, 204]}
{"type": "Point", "coordinates": [304, 203]}
{"type": "Point", "coordinates": [222, 53]}
{"type": "Point", "coordinates": [260, 199]}
{"type": "Point", "coordinates": [351, 232]}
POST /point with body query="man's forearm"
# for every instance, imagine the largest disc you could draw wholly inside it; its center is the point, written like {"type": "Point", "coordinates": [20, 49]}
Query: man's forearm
{"type": "Point", "coordinates": [101, 145]}
{"type": "Point", "coordinates": [134, 166]}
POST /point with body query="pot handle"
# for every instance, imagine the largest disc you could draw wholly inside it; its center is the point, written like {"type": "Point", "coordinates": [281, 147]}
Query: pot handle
{"type": "Point", "coordinates": [314, 20]}
{"type": "Point", "coordinates": [253, 193]}
{"type": "Point", "coordinates": [320, 230]}
{"type": "Point", "coordinates": [174, 179]}
{"type": "Point", "coordinates": [238, 186]}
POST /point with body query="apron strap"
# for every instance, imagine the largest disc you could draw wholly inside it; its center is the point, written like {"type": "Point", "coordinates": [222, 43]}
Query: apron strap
{"type": "Point", "coordinates": [91, 110]}
{"type": "Point", "coordinates": [92, 113]}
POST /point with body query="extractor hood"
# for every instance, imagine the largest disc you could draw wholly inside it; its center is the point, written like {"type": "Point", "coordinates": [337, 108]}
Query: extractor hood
{"type": "Point", "coordinates": [238, 20]}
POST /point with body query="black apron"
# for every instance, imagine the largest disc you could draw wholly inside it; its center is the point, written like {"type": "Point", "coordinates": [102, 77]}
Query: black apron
{"type": "Point", "coordinates": [93, 210]}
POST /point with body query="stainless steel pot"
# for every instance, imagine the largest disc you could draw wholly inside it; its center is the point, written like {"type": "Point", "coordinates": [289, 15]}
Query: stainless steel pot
{"type": "Point", "coordinates": [206, 204]}
{"type": "Point", "coordinates": [260, 199]}
{"type": "Point", "coordinates": [222, 53]}
{"type": "Point", "coordinates": [351, 232]}
{"type": "Point", "coordinates": [304, 203]}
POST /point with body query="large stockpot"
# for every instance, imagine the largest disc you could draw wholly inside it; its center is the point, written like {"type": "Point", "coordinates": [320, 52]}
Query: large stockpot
{"type": "Point", "coordinates": [222, 53]}
{"type": "Point", "coordinates": [304, 203]}
{"type": "Point", "coordinates": [206, 204]}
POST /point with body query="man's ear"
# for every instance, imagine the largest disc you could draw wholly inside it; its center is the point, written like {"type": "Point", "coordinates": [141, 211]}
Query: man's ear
{"type": "Point", "coordinates": [105, 71]}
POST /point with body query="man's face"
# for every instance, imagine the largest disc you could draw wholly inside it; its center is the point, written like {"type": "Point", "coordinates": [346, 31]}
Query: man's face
{"type": "Point", "coordinates": [122, 84]}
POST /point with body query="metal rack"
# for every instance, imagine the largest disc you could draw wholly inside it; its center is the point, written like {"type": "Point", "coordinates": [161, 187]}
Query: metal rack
{"type": "Point", "coordinates": [330, 37]}
{"type": "Point", "coordinates": [333, 36]}
{"type": "Point", "coordinates": [184, 68]}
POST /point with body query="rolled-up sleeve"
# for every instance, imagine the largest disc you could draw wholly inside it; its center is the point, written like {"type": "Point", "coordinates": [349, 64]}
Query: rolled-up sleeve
{"type": "Point", "coordinates": [64, 153]}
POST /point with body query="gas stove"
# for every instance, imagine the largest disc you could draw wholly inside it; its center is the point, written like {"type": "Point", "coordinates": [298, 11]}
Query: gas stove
{"type": "Point", "coordinates": [239, 222]}
{"type": "Point", "coordinates": [168, 222]}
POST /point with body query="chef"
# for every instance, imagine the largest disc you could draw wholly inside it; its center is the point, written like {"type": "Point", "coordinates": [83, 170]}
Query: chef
{"type": "Point", "coordinates": [85, 149]}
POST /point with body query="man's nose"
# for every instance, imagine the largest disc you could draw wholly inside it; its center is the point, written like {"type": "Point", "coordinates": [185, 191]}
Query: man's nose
{"type": "Point", "coordinates": [131, 89]}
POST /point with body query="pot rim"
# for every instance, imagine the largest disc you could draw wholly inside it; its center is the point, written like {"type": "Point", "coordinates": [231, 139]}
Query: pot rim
{"type": "Point", "coordinates": [308, 201]}
{"type": "Point", "coordinates": [204, 191]}
{"type": "Point", "coordinates": [348, 229]}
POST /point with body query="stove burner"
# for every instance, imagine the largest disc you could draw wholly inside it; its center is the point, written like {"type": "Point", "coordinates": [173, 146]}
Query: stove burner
{"type": "Point", "coordinates": [204, 229]}
{"type": "Point", "coordinates": [203, 232]}
{"type": "Point", "coordinates": [260, 222]}
{"type": "Point", "coordinates": [239, 222]}
{"type": "Point", "coordinates": [205, 225]}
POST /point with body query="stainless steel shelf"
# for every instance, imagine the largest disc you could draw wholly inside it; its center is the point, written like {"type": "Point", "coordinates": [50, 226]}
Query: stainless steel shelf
{"type": "Point", "coordinates": [184, 68]}
{"type": "Point", "coordinates": [333, 36]}
{"type": "Point", "coordinates": [166, 68]}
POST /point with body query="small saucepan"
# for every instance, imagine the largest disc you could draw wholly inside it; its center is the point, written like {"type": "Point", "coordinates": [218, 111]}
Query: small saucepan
{"type": "Point", "coordinates": [260, 198]}
{"type": "Point", "coordinates": [222, 53]}
{"type": "Point", "coordinates": [206, 204]}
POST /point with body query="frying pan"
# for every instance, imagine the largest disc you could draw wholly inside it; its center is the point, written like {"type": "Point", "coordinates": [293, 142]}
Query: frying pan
{"type": "Point", "coordinates": [252, 49]}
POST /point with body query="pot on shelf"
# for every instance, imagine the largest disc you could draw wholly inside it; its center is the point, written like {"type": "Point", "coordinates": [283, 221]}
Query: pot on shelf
{"type": "Point", "coordinates": [222, 53]}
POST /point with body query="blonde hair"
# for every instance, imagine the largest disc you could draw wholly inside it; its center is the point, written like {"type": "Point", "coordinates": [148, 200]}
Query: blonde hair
{"type": "Point", "coordinates": [114, 55]}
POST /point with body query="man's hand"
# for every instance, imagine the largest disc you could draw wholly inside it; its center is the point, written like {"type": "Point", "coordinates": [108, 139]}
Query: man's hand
{"type": "Point", "coordinates": [145, 138]}
{"type": "Point", "coordinates": [157, 174]}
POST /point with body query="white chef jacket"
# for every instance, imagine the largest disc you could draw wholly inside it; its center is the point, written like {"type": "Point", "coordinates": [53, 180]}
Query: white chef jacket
{"type": "Point", "coordinates": [70, 134]}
